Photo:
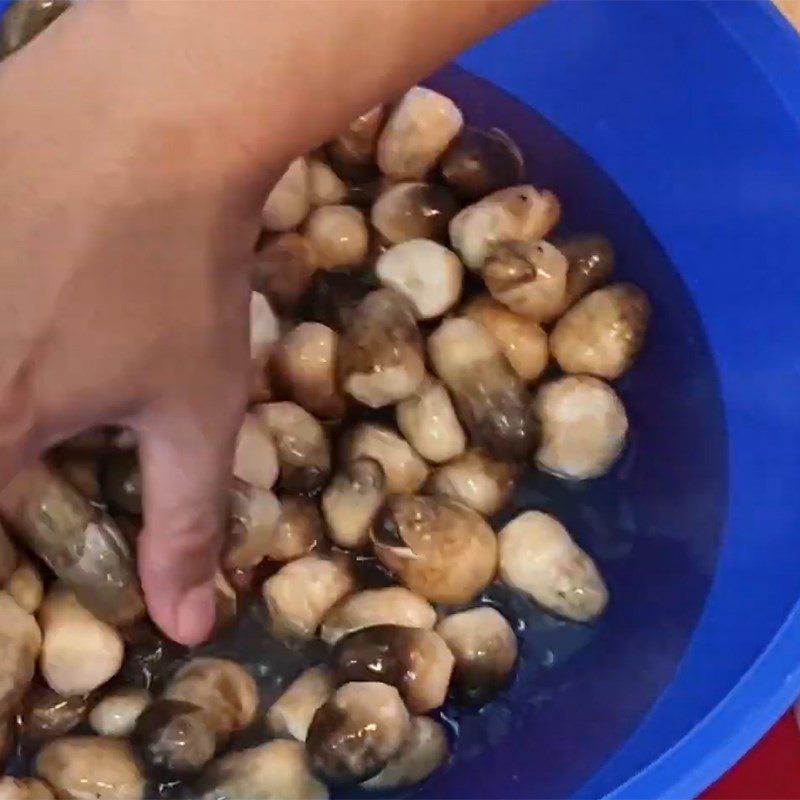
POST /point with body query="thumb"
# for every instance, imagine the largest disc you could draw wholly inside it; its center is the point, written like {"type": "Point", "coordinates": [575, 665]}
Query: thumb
{"type": "Point", "coordinates": [186, 473]}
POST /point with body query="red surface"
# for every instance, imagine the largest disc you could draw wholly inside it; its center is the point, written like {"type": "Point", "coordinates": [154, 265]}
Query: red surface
{"type": "Point", "coordinates": [770, 771]}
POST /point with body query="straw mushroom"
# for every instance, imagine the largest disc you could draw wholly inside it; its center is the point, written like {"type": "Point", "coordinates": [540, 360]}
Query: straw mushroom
{"type": "Point", "coordinates": [116, 713]}
{"type": "Point", "coordinates": [332, 297]}
{"type": "Point", "coordinates": [291, 714]}
{"type": "Point", "coordinates": [352, 500]}
{"type": "Point", "coordinates": [288, 203]}
{"type": "Point", "coordinates": [591, 263]}
{"type": "Point", "coordinates": [25, 585]}
{"type": "Point", "coordinates": [24, 789]}
{"type": "Point", "coordinates": [283, 268]}
{"type": "Point", "coordinates": [338, 234]}
{"type": "Point", "coordinates": [298, 530]}
{"type": "Point", "coordinates": [121, 480]}
{"type": "Point", "coordinates": [254, 515]}
{"type": "Point", "coordinates": [413, 210]}
{"type": "Point", "coordinates": [20, 642]}
{"type": "Point", "coordinates": [46, 714]}
{"type": "Point", "coordinates": [356, 145]}
{"type": "Point", "coordinates": [325, 186]}
{"type": "Point", "coordinates": [256, 458]}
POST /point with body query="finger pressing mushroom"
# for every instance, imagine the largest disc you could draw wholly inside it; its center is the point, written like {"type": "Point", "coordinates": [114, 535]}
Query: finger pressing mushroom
{"type": "Point", "coordinates": [584, 426]}
{"type": "Point", "coordinates": [417, 133]}
{"type": "Point", "coordinates": [425, 272]}
{"type": "Point", "coordinates": [355, 147]}
{"type": "Point", "coordinates": [291, 714]}
{"type": "Point", "coordinates": [429, 422]}
{"type": "Point", "coordinates": [402, 467]}
{"type": "Point", "coordinates": [480, 162]}
{"type": "Point", "coordinates": [591, 263]}
{"type": "Point", "coordinates": [24, 789]}
{"type": "Point", "coordinates": [302, 592]}
{"type": "Point", "coordinates": [121, 481]}
{"type": "Point", "coordinates": [325, 186]}
{"type": "Point", "coordinates": [91, 768]}
{"type": "Point", "coordinates": [84, 548]}
{"type": "Point", "coordinates": [519, 213]}
{"type": "Point", "coordinates": [332, 297]}
{"type": "Point", "coordinates": [79, 651]}
{"type": "Point", "coordinates": [303, 366]}
{"type": "Point", "coordinates": [303, 452]}
{"type": "Point", "coordinates": [357, 732]}
{"type": "Point", "coordinates": [392, 605]}
{"type": "Point", "coordinates": [413, 210]}
{"type": "Point", "coordinates": [254, 515]}
{"type": "Point", "coordinates": [522, 340]}
{"type": "Point", "coordinates": [539, 558]}
{"type": "Point", "coordinates": [288, 203]}
{"type": "Point", "coordinates": [277, 769]}
{"type": "Point", "coordinates": [298, 531]}
{"type": "Point", "coordinates": [602, 333]}
{"type": "Point", "coordinates": [25, 586]}
{"type": "Point", "coordinates": [415, 661]}
{"type": "Point", "coordinates": [117, 712]}
{"type": "Point", "coordinates": [256, 458]}
{"type": "Point", "coordinates": [381, 357]}
{"type": "Point", "coordinates": [283, 268]}
{"type": "Point", "coordinates": [20, 642]}
{"type": "Point", "coordinates": [338, 235]}
{"type": "Point", "coordinates": [352, 500]}
{"type": "Point", "coordinates": [530, 278]}
{"type": "Point", "coordinates": [46, 714]}
{"type": "Point", "coordinates": [485, 649]}
{"type": "Point", "coordinates": [425, 750]}
{"type": "Point", "coordinates": [476, 480]}
{"type": "Point", "coordinates": [490, 397]}
{"type": "Point", "coordinates": [437, 547]}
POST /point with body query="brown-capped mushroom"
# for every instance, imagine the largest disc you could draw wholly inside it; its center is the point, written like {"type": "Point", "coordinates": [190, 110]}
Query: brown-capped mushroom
{"type": "Point", "coordinates": [424, 751]}
{"type": "Point", "coordinates": [491, 399]}
{"type": "Point", "coordinates": [117, 712]}
{"type": "Point", "coordinates": [522, 340]}
{"type": "Point", "coordinates": [23, 21]}
{"type": "Point", "coordinates": [357, 732]}
{"type": "Point", "coordinates": [254, 515]}
{"type": "Point", "coordinates": [121, 480]}
{"type": "Point", "coordinates": [539, 558]}
{"type": "Point", "coordinates": [476, 480]}
{"type": "Point", "coordinates": [591, 263]}
{"type": "Point", "coordinates": [20, 642]}
{"type": "Point", "coordinates": [391, 605]}
{"type": "Point", "coordinates": [84, 548]}
{"type": "Point", "coordinates": [355, 147]}
{"type": "Point", "coordinates": [91, 768]}
{"type": "Point", "coordinates": [402, 467]}
{"type": "Point", "coordinates": [79, 651]}
{"type": "Point", "coordinates": [303, 366]}
{"type": "Point", "coordinates": [81, 471]}
{"type": "Point", "coordinates": [299, 529]}
{"type": "Point", "coordinates": [480, 162]}
{"type": "Point", "coordinates": [25, 585]}
{"type": "Point", "coordinates": [332, 297]}
{"type": "Point", "coordinates": [338, 235]}
{"type": "Point", "coordinates": [46, 714]}
{"type": "Point", "coordinates": [603, 333]}
{"type": "Point", "coordinates": [381, 357]}
{"type": "Point", "coordinates": [302, 592]}
{"type": "Point", "coordinates": [24, 789]}
{"type": "Point", "coordinates": [485, 649]}
{"type": "Point", "coordinates": [291, 714]}
{"type": "Point", "coordinates": [303, 452]}
{"type": "Point", "coordinates": [418, 131]}
{"type": "Point", "coordinates": [425, 272]}
{"type": "Point", "coordinates": [413, 210]}
{"type": "Point", "coordinates": [429, 422]}
{"type": "Point", "coordinates": [519, 213]}
{"type": "Point", "coordinates": [283, 267]}
{"type": "Point", "coordinates": [352, 500]}
{"type": "Point", "coordinates": [530, 278]}
{"type": "Point", "coordinates": [437, 547]}
{"type": "Point", "coordinates": [325, 186]}
{"type": "Point", "coordinates": [584, 426]}
{"type": "Point", "coordinates": [288, 203]}
{"type": "Point", "coordinates": [416, 661]}
{"type": "Point", "coordinates": [256, 458]}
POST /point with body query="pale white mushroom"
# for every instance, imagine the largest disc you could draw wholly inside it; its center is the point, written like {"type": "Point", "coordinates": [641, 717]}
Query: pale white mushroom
{"type": "Point", "coordinates": [476, 480]}
{"type": "Point", "coordinates": [519, 213]}
{"type": "Point", "coordinates": [339, 236]}
{"type": "Point", "coordinates": [20, 642]}
{"type": "Point", "coordinates": [264, 332]}
{"type": "Point", "coordinates": [402, 466]}
{"type": "Point", "coordinates": [299, 529]}
{"type": "Point", "coordinates": [352, 500]}
{"type": "Point", "coordinates": [25, 586]}
{"type": "Point", "coordinates": [425, 272]}
{"type": "Point", "coordinates": [277, 770]}
{"type": "Point", "coordinates": [437, 547]}
{"type": "Point", "coordinates": [325, 186]}
{"type": "Point", "coordinates": [417, 133]}
{"type": "Point", "coordinates": [288, 203]}
{"type": "Point", "coordinates": [302, 592]}
{"type": "Point", "coordinates": [522, 340]}
{"type": "Point", "coordinates": [91, 768]}
{"type": "Point", "coordinates": [424, 751]}
{"type": "Point", "coordinates": [117, 712]}
{"type": "Point", "coordinates": [539, 558]}
{"type": "Point", "coordinates": [584, 426]}
{"type": "Point", "coordinates": [428, 421]}
{"type": "Point", "coordinates": [485, 648]}
{"type": "Point", "coordinates": [357, 732]}
{"type": "Point", "coordinates": [254, 515]}
{"type": "Point", "coordinates": [24, 789]}
{"type": "Point", "coordinates": [391, 605]}
{"type": "Point", "coordinates": [603, 333]}
{"type": "Point", "coordinates": [79, 651]}
{"type": "Point", "coordinates": [291, 714]}
{"type": "Point", "coordinates": [283, 267]}
{"type": "Point", "coordinates": [356, 145]}
{"type": "Point", "coordinates": [256, 458]}
{"type": "Point", "coordinates": [413, 210]}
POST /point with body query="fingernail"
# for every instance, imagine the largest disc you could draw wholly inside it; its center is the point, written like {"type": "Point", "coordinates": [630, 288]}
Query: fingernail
{"type": "Point", "coordinates": [196, 613]}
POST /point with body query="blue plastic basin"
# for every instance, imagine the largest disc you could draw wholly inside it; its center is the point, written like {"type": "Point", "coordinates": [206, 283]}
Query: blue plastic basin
{"type": "Point", "coordinates": [673, 127]}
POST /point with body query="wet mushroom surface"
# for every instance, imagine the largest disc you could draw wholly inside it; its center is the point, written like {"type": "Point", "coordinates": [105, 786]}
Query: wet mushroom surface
{"type": "Point", "coordinates": [433, 400]}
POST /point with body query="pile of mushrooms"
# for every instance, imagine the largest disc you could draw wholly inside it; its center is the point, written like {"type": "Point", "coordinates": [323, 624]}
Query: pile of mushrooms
{"type": "Point", "coordinates": [420, 339]}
